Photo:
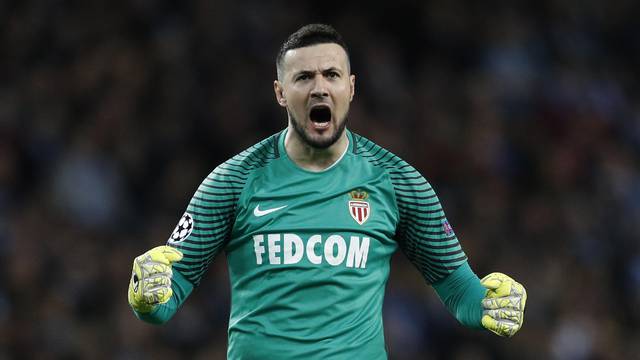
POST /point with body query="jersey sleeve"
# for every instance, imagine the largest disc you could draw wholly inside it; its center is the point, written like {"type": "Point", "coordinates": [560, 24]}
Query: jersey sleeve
{"type": "Point", "coordinates": [426, 237]}
{"type": "Point", "coordinates": [462, 293]}
{"type": "Point", "coordinates": [205, 227]}
{"type": "Point", "coordinates": [424, 233]}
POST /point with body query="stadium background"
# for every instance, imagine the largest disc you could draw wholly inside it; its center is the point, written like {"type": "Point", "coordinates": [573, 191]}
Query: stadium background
{"type": "Point", "coordinates": [525, 116]}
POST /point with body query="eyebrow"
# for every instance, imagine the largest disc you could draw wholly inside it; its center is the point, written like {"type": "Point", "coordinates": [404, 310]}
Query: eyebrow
{"type": "Point", "coordinates": [323, 71]}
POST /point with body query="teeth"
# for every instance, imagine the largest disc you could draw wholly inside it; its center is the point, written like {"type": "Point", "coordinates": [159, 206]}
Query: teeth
{"type": "Point", "coordinates": [321, 125]}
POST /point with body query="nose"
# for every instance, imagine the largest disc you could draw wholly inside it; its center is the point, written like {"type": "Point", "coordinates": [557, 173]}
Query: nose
{"type": "Point", "coordinates": [319, 88]}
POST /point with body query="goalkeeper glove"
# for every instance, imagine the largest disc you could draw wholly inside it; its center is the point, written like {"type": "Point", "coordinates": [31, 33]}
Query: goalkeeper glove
{"type": "Point", "coordinates": [503, 305]}
{"type": "Point", "coordinates": [151, 278]}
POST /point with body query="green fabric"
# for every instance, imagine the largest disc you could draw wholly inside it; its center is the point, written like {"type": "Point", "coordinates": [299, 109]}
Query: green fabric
{"type": "Point", "coordinates": [308, 253]}
{"type": "Point", "coordinates": [162, 313]}
{"type": "Point", "coordinates": [462, 293]}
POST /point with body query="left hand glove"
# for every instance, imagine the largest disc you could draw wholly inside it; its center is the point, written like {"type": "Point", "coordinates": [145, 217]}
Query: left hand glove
{"type": "Point", "coordinates": [503, 304]}
{"type": "Point", "coordinates": [150, 282]}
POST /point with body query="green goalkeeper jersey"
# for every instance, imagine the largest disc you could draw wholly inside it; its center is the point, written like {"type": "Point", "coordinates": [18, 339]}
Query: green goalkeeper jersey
{"type": "Point", "coordinates": [309, 252]}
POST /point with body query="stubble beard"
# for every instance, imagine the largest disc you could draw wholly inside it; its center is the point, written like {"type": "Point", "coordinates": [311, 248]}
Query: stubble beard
{"type": "Point", "coordinates": [321, 143]}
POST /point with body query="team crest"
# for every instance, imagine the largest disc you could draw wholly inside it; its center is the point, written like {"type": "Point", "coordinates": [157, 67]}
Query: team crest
{"type": "Point", "coordinates": [358, 207]}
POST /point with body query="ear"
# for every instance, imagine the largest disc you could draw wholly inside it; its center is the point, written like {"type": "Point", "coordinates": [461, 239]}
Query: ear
{"type": "Point", "coordinates": [279, 90]}
{"type": "Point", "coordinates": [352, 81]}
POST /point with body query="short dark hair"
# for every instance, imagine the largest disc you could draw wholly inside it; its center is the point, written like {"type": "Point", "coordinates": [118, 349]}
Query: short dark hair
{"type": "Point", "coordinates": [311, 34]}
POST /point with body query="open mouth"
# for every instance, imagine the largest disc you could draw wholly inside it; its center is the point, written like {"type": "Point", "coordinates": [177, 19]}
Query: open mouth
{"type": "Point", "coordinates": [320, 114]}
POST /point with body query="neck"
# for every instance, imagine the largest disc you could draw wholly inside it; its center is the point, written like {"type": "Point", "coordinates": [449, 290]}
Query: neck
{"type": "Point", "coordinates": [310, 158]}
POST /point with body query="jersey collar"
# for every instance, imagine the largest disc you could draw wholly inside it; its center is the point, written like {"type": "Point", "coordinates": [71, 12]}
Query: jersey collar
{"type": "Point", "coordinates": [283, 151]}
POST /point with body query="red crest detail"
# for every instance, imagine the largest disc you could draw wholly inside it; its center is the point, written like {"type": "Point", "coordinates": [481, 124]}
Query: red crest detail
{"type": "Point", "coordinates": [358, 208]}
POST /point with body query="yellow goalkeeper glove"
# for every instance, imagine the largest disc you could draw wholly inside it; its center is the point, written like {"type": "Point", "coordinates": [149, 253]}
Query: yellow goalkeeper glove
{"type": "Point", "coordinates": [503, 304]}
{"type": "Point", "coordinates": [151, 278]}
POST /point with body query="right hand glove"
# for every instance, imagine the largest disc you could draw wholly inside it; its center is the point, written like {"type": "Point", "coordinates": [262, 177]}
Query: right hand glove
{"type": "Point", "coordinates": [150, 283]}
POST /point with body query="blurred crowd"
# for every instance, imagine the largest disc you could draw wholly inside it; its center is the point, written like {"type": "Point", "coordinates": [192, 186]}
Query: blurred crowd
{"type": "Point", "coordinates": [524, 116]}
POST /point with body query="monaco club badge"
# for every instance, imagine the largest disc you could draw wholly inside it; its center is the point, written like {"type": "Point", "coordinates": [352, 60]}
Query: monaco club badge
{"type": "Point", "coordinates": [358, 207]}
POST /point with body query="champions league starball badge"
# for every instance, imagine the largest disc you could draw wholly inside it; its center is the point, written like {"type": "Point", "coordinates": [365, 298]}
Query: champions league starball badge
{"type": "Point", "coordinates": [182, 230]}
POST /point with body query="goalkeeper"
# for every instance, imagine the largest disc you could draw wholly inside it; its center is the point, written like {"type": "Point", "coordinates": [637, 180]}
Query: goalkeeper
{"type": "Point", "coordinates": [308, 220]}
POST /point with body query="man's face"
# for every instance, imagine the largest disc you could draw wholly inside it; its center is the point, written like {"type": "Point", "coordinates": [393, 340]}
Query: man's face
{"type": "Point", "coordinates": [316, 88]}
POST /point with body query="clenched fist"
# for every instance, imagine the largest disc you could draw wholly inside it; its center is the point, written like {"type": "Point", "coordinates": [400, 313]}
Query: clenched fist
{"type": "Point", "coordinates": [150, 283]}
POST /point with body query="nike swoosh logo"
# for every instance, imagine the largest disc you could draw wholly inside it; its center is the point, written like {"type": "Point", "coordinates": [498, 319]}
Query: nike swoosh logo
{"type": "Point", "coordinates": [258, 213]}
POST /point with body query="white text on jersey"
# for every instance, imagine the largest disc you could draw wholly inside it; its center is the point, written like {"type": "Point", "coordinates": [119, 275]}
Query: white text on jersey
{"type": "Point", "coordinates": [290, 249]}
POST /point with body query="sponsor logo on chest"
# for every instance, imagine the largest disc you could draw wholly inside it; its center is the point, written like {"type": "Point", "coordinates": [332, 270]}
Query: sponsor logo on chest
{"type": "Point", "coordinates": [335, 250]}
{"type": "Point", "coordinates": [331, 249]}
